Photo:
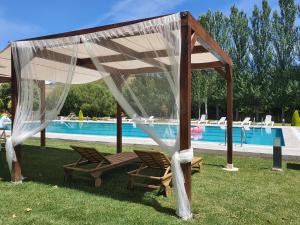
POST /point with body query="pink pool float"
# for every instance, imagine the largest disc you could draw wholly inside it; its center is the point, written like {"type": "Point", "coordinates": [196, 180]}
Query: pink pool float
{"type": "Point", "coordinates": [196, 130]}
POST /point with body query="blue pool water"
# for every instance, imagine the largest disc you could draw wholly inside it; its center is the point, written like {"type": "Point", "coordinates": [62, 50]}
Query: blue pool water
{"type": "Point", "coordinates": [258, 136]}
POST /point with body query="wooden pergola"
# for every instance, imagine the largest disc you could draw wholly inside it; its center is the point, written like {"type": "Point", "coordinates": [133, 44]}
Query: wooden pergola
{"type": "Point", "coordinates": [196, 46]}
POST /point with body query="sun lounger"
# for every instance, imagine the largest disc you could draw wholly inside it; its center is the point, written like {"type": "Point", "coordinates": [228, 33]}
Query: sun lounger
{"type": "Point", "coordinates": [221, 121]}
{"type": "Point", "coordinates": [268, 121]}
{"type": "Point", "coordinates": [160, 161]}
{"type": "Point", "coordinates": [150, 119]}
{"type": "Point", "coordinates": [203, 119]}
{"type": "Point", "coordinates": [102, 163]}
{"type": "Point", "coordinates": [246, 122]}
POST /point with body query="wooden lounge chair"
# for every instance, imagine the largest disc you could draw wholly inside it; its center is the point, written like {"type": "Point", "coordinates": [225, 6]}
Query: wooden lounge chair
{"type": "Point", "coordinates": [103, 163]}
{"type": "Point", "coordinates": [160, 161]}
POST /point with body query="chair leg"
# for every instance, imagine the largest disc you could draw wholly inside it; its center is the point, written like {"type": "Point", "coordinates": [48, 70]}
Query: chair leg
{"type": "Point", "coordinates": [98, 182]}
{"type": "Point", "coordinates": [97, 178]}
{"type": "Point", "coordinates": [166, 187]}
{"type": "Point", "coordinates": [68, 175]}
{"type": "Point", "coordinates": [130, 183]}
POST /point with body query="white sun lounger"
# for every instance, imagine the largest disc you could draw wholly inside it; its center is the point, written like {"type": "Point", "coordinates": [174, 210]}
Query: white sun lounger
{"type": "Point", "coordinates": [221, 121]}
{"type": "Point", "coordinates": [268, 121]}
{"type": "Point", "coordinates": [247, 121]}
{"type": "Point", "coordinates": [203, 119]}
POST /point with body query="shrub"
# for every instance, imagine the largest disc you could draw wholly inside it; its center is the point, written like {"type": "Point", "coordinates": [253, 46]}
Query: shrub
{"type": "Point", "coordinates": [94, 118]}
{"type": "Point", "coordinates": [296, 119]}
{"type": "Point", "coordinates": [80, 115]}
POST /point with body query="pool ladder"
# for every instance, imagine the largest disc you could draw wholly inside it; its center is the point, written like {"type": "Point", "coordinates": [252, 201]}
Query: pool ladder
{"type": "Point", "coordinates": [243, 135]}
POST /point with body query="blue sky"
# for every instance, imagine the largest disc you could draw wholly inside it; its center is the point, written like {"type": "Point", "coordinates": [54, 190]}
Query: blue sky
{"type": "Point", "coordinates": [30, 18]}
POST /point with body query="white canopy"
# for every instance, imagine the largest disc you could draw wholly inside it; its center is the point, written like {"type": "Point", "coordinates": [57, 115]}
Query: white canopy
{"type": "Point", "coordinates": [111, 58]}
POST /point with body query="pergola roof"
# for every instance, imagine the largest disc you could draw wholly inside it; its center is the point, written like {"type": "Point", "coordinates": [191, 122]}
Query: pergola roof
{"type": "Point", "coordinates": [135, 57]}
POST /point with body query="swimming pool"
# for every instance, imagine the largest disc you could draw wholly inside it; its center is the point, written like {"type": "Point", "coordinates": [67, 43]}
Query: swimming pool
{"type": "Point", "coordinates": [257, 136]}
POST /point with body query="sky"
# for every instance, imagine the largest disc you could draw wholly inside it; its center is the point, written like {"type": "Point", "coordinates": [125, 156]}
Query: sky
{"type": "Point", "coordinates": [24, 19]}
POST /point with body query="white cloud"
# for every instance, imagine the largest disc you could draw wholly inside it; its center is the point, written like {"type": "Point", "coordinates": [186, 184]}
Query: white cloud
{"type": "Point", "coordinates": [134, 9]}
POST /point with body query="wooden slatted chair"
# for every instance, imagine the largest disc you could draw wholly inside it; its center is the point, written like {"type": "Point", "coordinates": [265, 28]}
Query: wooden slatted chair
{"type": "Point", "coordinates": [103, 163]}
{"type": "Point", "coordinates": [156, 160]}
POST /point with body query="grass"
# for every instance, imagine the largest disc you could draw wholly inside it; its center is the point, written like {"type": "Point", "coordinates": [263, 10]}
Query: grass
{"type": "Point", "coordinates": [254, 195]}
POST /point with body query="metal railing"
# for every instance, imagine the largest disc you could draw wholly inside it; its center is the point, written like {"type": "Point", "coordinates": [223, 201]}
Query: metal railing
{"type": "Point", "coordinates": [243, 135]}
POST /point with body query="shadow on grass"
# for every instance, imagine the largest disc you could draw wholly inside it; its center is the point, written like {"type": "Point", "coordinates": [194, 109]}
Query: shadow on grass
{"type": "Point", "coordinates": [293, 166]}
{"type": "Point", "coordinates": [45, 166]}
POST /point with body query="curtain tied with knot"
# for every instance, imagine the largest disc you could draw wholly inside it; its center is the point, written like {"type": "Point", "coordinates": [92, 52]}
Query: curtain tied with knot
{"type": "Point", "coordinates": [139, 63]}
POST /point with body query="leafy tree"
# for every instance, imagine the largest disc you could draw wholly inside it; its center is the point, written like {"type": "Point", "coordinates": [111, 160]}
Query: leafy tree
{"type": "Point", "coordinates": [80, 115]}
{"type": "Point", "coordinates": [5, 95]}
{"type": "Point", "coordinates": [94, 99]}
{"type": "Point", "coordinates": [261, 48]}
{"type": "Point", "coordinates": [150, 95]}
{"type": "Point", "coordinates": [284, 34]}
{"type": "Point", "coordinates": [217, 25]}
{"type": "Point", "coordinates": [284, 42]}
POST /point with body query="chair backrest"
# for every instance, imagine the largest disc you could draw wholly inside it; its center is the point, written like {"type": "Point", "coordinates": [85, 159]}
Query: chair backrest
{"type": "Point", "coordinates": [154, 159]}
{"type": "Point", "coordinates": [90, 154]}
{"type": "Point", "coordinates": [203, 117]}
{"type": "Point", "coordinates": [222, 119]}
{"type": "Point", "coordinates": [268, 118]}
{"type": "Point", "coordinates": [246, 120]}
{"type": "Point", "coordinates": [151, 117]}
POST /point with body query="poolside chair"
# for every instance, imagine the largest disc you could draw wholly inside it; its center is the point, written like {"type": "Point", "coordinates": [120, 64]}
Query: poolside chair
{"type": "Point", "coordinates": [103, 163]}
{"type": "Point", "coordinates": [150, 119]}
{"type": "Point", "coordinates": [268, 121]}
{"type": "Point", "coordinates": [159, 161]}
{"type": "Point", "coordinates": [203, 119]}
{"type": "Point", "coordinates": [247, 121]}
{"type": "Point", "coordinates": [221, 121]}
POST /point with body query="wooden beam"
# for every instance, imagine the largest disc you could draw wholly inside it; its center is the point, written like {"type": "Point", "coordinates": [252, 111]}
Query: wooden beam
{"type": "Point", "coordinates": [185, 100]}
{"type": "Point", "coordinates": [4, 79]}
{"type": "Point", "coordinates": [16, 173]}
{"type": "Point", "coordinates": [199, 49]}
{"type": "Point", "coordinates": [139, 55]}
{"type": "Point", "coordinates": [209, 65]}
{"type": "Point", "coordinates": [119, 128]}
{"type": "Point", "coordinates": [117, 47]}
{"type": "Point", "coordinates": [204, 36]}
{"type": "Point", "coordinates": [43, 112]}
{"type": "Point", "coordinates": [91, 30]}
{"type": "Point", "coordinates": [229, 76]}
{"type": "Point", "coordinates": [221, 72]}
{"type": "Point", "coordinates": [88, 64]}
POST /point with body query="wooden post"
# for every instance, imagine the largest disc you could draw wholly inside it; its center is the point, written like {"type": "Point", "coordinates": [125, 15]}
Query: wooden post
{"type": "Point", "coordinates": [185, 98]}
{"type": "Point", "coordinates": [16, 173]}
{"type": "Point", "coordinates": [119, 128]}
{"type": "Point", "coordinates": [43, 113]}
{"type": "Point", "coordinates": [229, 80]}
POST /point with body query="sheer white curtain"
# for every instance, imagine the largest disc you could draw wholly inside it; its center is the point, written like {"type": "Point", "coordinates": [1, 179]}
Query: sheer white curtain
{"type": "Point", "coordinates": [152, 48]}
{"type": "Point", "coordinates": [35, 73]}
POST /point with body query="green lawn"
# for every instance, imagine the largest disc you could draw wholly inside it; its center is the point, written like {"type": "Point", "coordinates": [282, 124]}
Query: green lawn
{"type": "Point", "coordinates": [254, 195]}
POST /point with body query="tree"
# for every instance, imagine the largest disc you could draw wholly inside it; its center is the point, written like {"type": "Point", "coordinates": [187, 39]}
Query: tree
{"type": "Point", "coordinates": [239, 51]}
{"type": "Point", "coordinates": [217, 25]}
{"type": "Point", "coordinates": [94, 99]}
{"type": "Point", "coordinates": [284, 33]}
{"type": "Point", "coordinates": [261, 52]}
{"type": "Point", "coordinates": [261, 48]}
{"type": "Point", "coordinates": [150, 95]}
{"type": "Point", "coordinates": [5, 96]}
{"type": "Point", "coordinates": [202, 86]}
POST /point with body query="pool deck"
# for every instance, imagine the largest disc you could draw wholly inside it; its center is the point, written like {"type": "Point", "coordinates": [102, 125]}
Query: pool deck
{"type": "Point", "coordinates": [291, 150]}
